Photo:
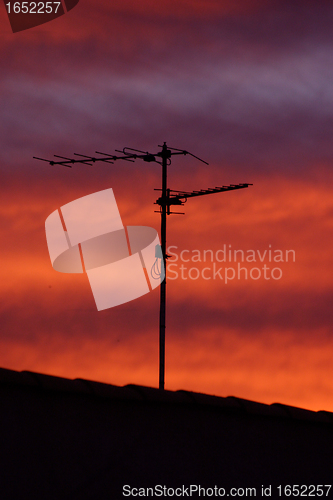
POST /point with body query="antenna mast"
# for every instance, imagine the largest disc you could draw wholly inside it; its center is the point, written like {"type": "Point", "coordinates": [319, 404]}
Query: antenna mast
{"type": "Point", "coordinates": [165, 157]}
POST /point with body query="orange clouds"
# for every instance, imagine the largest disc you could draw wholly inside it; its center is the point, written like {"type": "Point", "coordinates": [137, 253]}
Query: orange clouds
{"type": "Point", "coordinates": [273, 368]}
{"type": "Point", "coordinates": [256, 339]}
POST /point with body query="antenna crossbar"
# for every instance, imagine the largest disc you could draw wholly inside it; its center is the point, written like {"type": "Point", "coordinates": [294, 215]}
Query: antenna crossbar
{"type": "Point", "coordinates": [180, 197]}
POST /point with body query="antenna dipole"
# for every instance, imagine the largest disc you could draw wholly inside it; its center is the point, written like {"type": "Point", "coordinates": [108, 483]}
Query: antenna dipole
{"type": "Point", "coordinates": [168, 198]}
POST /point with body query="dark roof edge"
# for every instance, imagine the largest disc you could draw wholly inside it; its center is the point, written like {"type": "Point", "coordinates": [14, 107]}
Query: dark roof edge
{"type": "Point", "coordinates": [149, 394]}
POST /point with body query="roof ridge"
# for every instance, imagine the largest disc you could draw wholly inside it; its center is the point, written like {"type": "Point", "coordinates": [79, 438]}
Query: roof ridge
{"type": "Point", "coordinates": [150, 394]}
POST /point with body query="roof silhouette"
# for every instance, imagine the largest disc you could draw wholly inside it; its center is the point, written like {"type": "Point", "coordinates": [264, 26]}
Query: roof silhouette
{"type": "Point", "coordinates": [81, 439]}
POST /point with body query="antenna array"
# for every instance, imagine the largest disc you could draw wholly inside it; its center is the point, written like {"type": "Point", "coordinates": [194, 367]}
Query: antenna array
{"type": "Point", "coordinates": [168, 198]}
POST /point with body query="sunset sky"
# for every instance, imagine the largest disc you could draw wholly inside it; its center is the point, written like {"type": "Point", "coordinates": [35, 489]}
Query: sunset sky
{"type": "Point", "coordinates": [247, 86]}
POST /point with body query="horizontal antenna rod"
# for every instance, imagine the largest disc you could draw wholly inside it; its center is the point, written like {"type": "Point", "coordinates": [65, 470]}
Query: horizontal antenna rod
{"type": "Point", "coordinates": [202, 192]}
{"type": "Point", "coordinates": [137, 154]}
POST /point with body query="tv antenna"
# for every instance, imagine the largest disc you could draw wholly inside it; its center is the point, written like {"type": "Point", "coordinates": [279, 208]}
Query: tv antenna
{"type": "Point", "coordinates": [168, 198]}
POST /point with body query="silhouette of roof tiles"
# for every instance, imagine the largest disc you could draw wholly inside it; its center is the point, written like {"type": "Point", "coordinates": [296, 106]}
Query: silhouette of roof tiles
{"type": "Point", "coordinates": [140, 393]}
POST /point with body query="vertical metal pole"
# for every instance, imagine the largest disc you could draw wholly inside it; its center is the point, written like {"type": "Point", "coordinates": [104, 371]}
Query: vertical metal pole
{"type": "Point", "coordinates": [163, 284]}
